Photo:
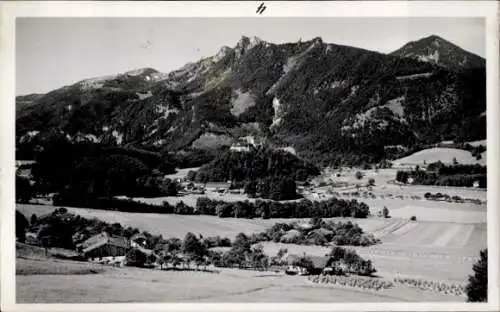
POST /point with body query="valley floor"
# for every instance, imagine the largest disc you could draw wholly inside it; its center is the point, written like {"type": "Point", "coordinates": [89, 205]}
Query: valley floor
{"type": "Point", "coordinates": [428, 250]}
{"type": "Point", "coordinates": [442, 245]}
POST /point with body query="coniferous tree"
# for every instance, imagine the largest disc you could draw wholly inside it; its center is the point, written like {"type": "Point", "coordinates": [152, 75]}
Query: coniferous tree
{"type": "Point", "coordinates": [477, 289]}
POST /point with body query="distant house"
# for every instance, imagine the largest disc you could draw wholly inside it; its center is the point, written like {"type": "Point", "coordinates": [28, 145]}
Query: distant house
{"type": "Point", "coordinates": [318, 264]}
{"type": "Point", "coordinates": [32, 238]}
{"type": "Point", "coordinates": [217, 186]}
{"type": "Point", "coordinates": [103, 245]}
{"type": "Point", "coordinates": [288, 149]}
{"type": "Point", "coordinates": [238, 148]}
{"type": "Point", "coordinates": [293, 268]}
{"type": "Point", "coordinates": [197, 191]}
{"type": "Point", "coordinates": [475, 184]}
{"type": "Point", "coordinates": [193, 188]}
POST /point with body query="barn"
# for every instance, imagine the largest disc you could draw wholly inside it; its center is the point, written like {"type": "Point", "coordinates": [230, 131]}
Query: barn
{"type": "Point", "coordinates": [219, 187]}
{"type": "Point", "coordinates": [104, 245]}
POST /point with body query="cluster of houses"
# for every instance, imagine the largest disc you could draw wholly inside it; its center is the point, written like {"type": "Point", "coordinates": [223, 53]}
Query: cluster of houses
{"type": "Point", "coordinates": [104, 248]}
{"type": "Point", "coordinates": [215, 187]}
{"type": "Point", "coordinates": [318, 265]}
{"type": "Point", "coordinates": [244, 144]}
{"type": "Point", "coordinates": [108, 249]}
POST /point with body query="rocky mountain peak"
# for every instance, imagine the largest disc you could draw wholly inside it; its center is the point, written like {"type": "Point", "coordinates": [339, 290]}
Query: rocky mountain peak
{"type": "Point", "coordinates": [436, 50]}
{"type": "Point", "coordinates": [247, 43]}
{"type": "Point", "coordinates": [315, 97]}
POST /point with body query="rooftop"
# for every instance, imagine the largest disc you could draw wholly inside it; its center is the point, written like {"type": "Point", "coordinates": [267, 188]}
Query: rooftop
{"type": "Point", "coordinates": [103, 238]}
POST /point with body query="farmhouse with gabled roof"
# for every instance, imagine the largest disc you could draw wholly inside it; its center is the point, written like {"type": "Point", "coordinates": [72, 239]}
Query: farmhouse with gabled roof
{"type": "Point", "coordinates": [104, 245]}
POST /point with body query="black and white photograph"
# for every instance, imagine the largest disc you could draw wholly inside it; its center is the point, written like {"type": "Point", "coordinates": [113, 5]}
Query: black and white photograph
{"type": "Point", "coordinates": [251, 159]}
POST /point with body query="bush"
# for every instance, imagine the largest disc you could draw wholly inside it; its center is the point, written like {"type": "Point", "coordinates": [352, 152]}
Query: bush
{"type": "Point", "coordinates": [413, 218]}
{"type": "Point", "coordinates": [385, 212]}
{"type": "Point", "coordinates": [359, 175]}
{"type": "Point", "coordinates": [371, 182]}
{"type": "Point", "coordinates": [402, 176]}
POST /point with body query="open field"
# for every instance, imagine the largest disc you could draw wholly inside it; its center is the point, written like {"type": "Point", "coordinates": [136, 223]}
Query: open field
{"type": "Point", "coordinates": [442, 154]}
{"type": "Point", "coordinates": [382, 177]}
{"type": "Point", "coordinates": [230, 285]}
{"type": "Point", "coordinates": [190, 199]}
{"type": "Point", "coordinates": [422, 249]}
{"type": "Point", "coordinates": [32, 260]}
{"type": "Point", "coordinates": [181, 173]}
{"type": "Point", "coordinates": [387, 192]}
{"type": "Point", "coordinates": [396, 260]}
{"type": "Point", "coordinates": [54, 267]}
{"type": "Point", "coordinates": [451, 233]}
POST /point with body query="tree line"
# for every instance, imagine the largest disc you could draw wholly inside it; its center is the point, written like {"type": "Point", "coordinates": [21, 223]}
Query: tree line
{"type": "Point", "coordinates": [446, 175]}
{"type": "Point", "coordinates": [265, 209]}
{"type": "Point", "coordinates": [304, 208]}
{"type": "Point", "coordinates": [85, 171]}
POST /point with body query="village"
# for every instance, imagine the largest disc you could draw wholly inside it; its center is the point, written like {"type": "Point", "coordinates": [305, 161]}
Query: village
{"type": "Point", "coordinates": [120, 251]}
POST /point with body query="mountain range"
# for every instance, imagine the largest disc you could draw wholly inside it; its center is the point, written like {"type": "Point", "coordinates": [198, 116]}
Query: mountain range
{"type": "Point", "coordinates": [330, 103]}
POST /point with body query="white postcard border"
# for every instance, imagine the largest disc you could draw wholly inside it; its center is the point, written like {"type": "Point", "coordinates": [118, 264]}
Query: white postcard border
{"type": "Point", "coordinates": [10, 10]}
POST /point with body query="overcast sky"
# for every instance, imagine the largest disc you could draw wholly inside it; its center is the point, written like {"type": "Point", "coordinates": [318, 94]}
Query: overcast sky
{"type": "Point", "coordinates": [53, 52]}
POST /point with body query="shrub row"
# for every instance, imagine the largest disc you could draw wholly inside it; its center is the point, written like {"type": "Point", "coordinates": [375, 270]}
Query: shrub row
{"type": "Point", "coordinates": [352, 281]}
{"type": "Point", "coordinates": [455, 198]}
{"type": "Point", "coordinates": [441, 287]}
{"type": "Point", "coordinates": [373, 196]}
